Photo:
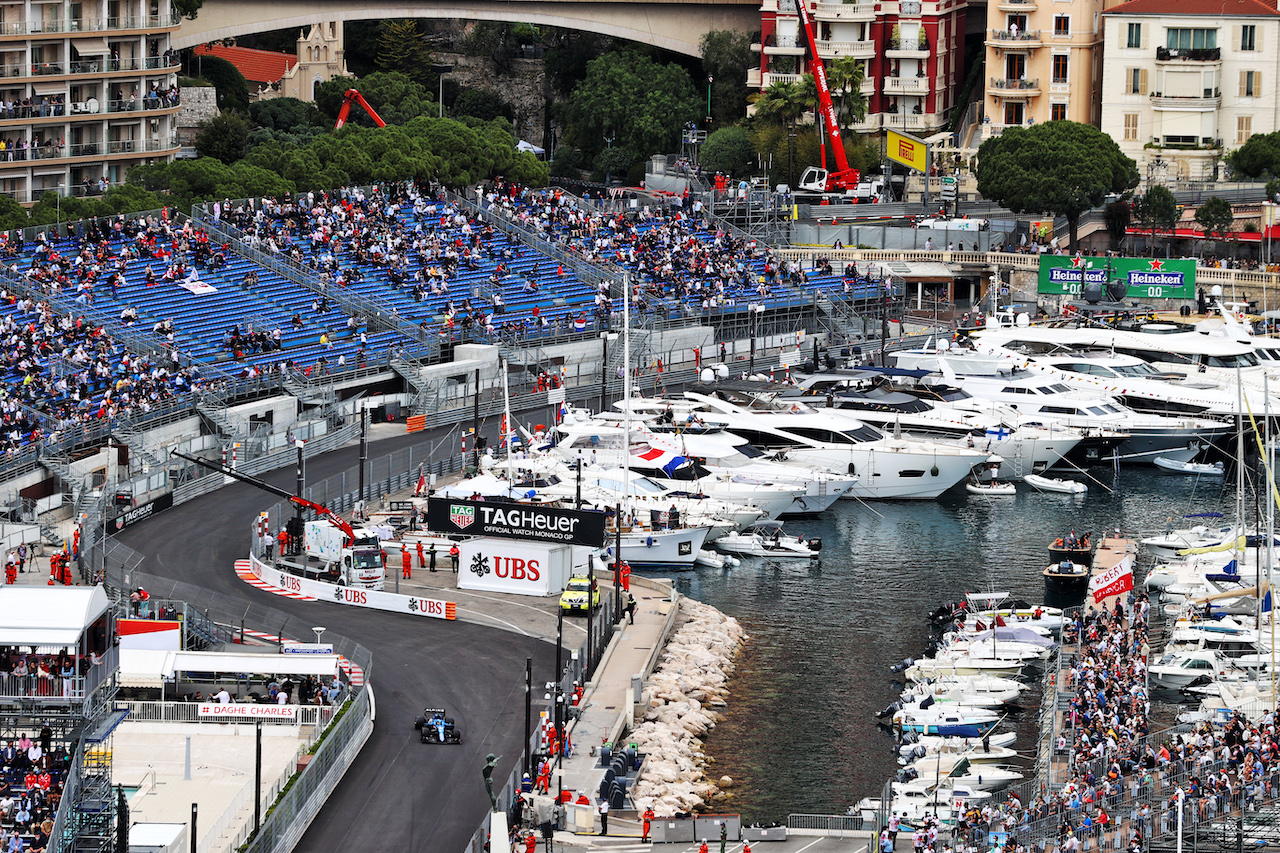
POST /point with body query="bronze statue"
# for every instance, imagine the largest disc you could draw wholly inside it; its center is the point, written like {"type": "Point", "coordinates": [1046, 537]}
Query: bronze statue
{"type": "Point", "coordinates": [491, 761]}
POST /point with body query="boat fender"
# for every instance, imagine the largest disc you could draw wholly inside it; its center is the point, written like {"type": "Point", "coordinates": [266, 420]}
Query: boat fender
{"type": "Point", "coordinates": [933, 472]}
{"type": "Point", "coordinates": [815, 544]}
{"type": "Point", "coordinates": [852, 468]}
{"type": "Point", "coordinates": [648, 541]}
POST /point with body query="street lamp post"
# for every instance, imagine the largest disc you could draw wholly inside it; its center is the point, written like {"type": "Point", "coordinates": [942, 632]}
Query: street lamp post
{"type": "Point", "coordinates": [709, 81]}
{"type": "Point", "coordinates": [440, 71]}
{"type": "Point", "coordinates": [608, 143]}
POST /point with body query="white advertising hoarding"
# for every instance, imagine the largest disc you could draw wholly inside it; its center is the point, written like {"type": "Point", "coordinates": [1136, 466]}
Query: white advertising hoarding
{"type": "Point", "coordinates": [514, 566]}
{"type": "Point", "coordinates": [430, 607]}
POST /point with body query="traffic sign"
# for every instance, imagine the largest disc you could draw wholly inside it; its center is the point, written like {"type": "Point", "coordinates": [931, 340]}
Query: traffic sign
{"type": "Point", "coordinates": [949, 187]}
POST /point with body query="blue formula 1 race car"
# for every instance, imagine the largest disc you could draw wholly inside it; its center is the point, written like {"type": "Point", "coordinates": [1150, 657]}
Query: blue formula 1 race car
{"type": "Point", "coordinates": [434, 727]}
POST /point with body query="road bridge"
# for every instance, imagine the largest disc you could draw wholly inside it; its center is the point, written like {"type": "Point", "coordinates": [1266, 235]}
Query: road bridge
{"type": "Point", "coordinates": [674, 26]}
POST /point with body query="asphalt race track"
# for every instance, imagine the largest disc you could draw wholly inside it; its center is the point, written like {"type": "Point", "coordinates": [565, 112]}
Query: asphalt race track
{"type": "Point", "coordinates": [399, 794]}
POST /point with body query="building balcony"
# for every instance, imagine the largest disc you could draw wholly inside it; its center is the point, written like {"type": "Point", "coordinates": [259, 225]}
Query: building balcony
{"type": "Point", "coordinates": [94, 151]}
{"type": "Point", "coordinates": [1023, 7]}
{"type": "Point", "coordinates": [92, 109]}
{"type": "Point", "coordinates": [912, 121]}
{"type": "Point", "coordinates": [845, 11]}
{"type": "Point", "coordinates": [1190, 54]}
{"type": "Point", "coordinates": [784, 50]}
{"type": "Point", "coordinates": [141, 23]}
{"type": "Point", "coordinates": [99, 68]}
{"type": "Point", "coordinates": [757, 79]}
{"type": "Point", "coordinates": [1002, 88]}
{"type": "Point", "coordinates": [906, 85]}
{"type": "Point", "coordinates": [868, 86]}
{"type": "Point", "coordinates": [870, 124]}
{"type": "Point", "coordinates": [1023, 39]}
{"type": "Point", "coordinates": [908, 49]}
{"type": "Point", "coordinates": [838, 49]}
{"type": "Point", "coordinates": [1179, 102]}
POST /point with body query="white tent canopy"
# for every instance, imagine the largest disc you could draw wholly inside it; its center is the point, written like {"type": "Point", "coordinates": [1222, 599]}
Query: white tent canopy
{"type": "Point", "coordinates": [48, 615]}
{"type": "Point", "coordinates": [529, 146]}
{"type": "Point", "coordinates": [152, 667]}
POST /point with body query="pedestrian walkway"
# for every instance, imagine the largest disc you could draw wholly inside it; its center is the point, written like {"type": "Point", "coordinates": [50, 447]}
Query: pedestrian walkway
{"type": "Point", "coordinates": [609, 701]}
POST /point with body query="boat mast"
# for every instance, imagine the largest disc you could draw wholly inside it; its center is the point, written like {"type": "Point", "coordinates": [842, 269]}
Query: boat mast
{"type": "Point", "coordinates": [626, 400]}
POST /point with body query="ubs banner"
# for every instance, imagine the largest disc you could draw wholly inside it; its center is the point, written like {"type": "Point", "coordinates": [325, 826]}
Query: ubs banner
{"type": "Point", "coordinates": [1147, 278]}
{"type": "Point", "coordinates": [516, 521]}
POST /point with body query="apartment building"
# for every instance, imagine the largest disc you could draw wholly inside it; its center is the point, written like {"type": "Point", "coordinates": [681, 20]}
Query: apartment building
{"type": "Point", "coordinates": [1185, 82]}
{"type": "Point", "coordinates": [88, 90]}
{"type": "Point", "coordinates": [1043, 62]}
{"type": "Point", "coordinates": [912, 51]}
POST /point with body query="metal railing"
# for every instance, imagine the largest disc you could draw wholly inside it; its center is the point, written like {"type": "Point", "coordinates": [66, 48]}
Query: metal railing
{"type": "Point", "coordinates": [89, 25]}
{"type": "Point", "coordinates": [189, 712]}
{"type": "Point", "coordinates": [838, 826]}
{"type": "Point", "coordinates": [55, 688]}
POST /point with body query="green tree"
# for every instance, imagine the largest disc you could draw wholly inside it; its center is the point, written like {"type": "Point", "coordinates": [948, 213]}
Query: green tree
{"type": "Point", "coordinates": [845, 79]}
{"type": "Point", "coordinates": [483, 105]}
{"type": "Point", "coordinates": [1157, 209]}
{"type": "Point", "coordinates": [1059, 167]}
{"type": "Point", "coordinates": [640, 104]}
{"type": "Point", "coordinates": [1216, 217]}
{"type": "Point", "coordinates": [396, 98]}
{"type": "Point", "coordinates": [12, 214]}
{"type": "Point", "coordinates": [565, 60]}
{"type": "Point", "coordinates": [187, 8]}
{"type": "Point", "coordinates": [566, 162]}
{"type": "Point", "coordinates": [233, 89]}
{"type": "Point", "coordinates": [401, 48]}
{"type": "Point", "coordinates": [1117, 215]}
{"type": "Point", "coordinates": [726, 56]}
{"type": "Point", "coordinates": [728, 150]}
{"type": "Point", "coordinates": [225, 136]}
{"type": "Point", "coordinates": [1258, 157]}
{"type": "Point", "coordinates": [497, 42]}
{"type": "Point", "coordinates": [360, 46]}
{"type": "Point", "coordinates": [285, 114]}
{"type": "Point", "coordinates": [612, 163]}
{"type": "Point", "coordinates": [782, 103]}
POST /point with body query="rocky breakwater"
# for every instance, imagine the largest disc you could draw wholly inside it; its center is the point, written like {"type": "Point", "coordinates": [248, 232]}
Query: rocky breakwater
{"type": "Point", "coordinates": [687, 686]}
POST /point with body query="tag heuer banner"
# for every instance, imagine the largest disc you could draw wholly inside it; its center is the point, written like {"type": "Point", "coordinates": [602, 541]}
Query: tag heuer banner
{"type": "Point", "coordinates": [515, 521]}
{"type": "Point", "coordinates": [1147, 278]}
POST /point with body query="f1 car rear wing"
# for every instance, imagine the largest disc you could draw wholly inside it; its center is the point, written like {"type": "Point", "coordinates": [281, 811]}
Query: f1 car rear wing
{"type": "Point", "coordinates": [431, 712]}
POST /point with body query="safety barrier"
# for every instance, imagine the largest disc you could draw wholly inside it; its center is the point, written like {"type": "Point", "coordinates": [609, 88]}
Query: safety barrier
{"type": "Point", "coordinates": [838, 826]}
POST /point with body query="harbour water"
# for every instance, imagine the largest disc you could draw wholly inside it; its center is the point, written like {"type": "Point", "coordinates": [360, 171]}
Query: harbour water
{"type": "Point", "coordinates": [800, 735]}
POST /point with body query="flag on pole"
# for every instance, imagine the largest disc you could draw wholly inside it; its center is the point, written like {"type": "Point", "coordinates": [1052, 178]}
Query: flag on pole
{"type": "Point", "coordinates": [422, 482]}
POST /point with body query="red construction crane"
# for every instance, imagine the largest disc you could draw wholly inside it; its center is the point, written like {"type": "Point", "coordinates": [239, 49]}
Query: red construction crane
{"type": "Point", "coordinates": [815, 179]}
{"type": "Point", "coordinates": [351, 96]}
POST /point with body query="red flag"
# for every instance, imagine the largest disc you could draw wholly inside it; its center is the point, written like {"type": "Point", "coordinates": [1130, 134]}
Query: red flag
{"type": "Point", "coordinates": [1000, 623]}
{"type": "Point", "coordinates": [1116, 580]}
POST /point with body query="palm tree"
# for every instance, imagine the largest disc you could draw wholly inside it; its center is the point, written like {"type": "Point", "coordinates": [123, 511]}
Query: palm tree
{"type": "Point", "coordinates": [845, 77]}
{"type": "Point", "coordinates": [783, 102]}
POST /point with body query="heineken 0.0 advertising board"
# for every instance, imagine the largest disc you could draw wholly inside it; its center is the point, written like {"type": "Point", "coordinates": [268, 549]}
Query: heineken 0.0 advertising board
{"type": "Point", "coordinates": [1147, 278]}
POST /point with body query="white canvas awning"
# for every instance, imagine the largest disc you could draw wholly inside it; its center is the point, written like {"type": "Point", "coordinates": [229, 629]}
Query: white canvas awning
{"type": "Point", "coordinates": [44, 88]}
{"type": "Point", "coordinates": [529, 146]}
{"type": "Point", "coordinates": [91, 46]}
{"type": "Point", "coordinates": [151, 667]}
{"type": "Point", "coordinates": [48, 615]}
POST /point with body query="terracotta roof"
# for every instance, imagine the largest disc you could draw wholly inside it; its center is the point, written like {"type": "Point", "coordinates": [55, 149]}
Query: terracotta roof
{"type": "Point", "coordinates": [257, 66]}
{"type": "Point", "coordinates": [1181, 8]}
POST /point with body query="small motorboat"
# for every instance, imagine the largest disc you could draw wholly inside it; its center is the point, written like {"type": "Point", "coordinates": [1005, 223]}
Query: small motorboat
{"type": "Point", "coordinates": [1201, 469]}
{"type": "Point", "coordinates": [963, 721]}
{"type": "Point", "coordinates": [961, 665]}
{"type": "Point", "coordinates": [1066, 578]}
{"type": "Point", "coordinates": [1055, 484]}
{"type": "Point", "coordinates": [993, 489]}
{"type": "Point", "coordinates": [766, 539]}
{"type": "Point", "coordinates": [1072, 549]}
{"type": "Point", "coordinates": [911, 742]}
{"type": "Point", "coordinates": [712, 560]}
